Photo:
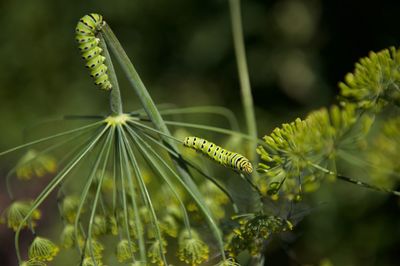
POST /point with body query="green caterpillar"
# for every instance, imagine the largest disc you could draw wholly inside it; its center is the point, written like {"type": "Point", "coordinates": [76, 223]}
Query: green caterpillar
{"type": "Point", "coordinates": [86, 31]}
{"type": "Point", "coordinates": [226, 158]}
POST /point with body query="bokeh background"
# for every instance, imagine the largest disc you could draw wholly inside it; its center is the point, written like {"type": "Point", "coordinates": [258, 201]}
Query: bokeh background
{"type": "Point", "coordinates": [297, 52]}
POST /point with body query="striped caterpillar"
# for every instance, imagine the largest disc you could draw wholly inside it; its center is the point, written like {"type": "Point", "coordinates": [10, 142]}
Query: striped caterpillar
{"type": "Point", "coordinates": [227, 158]}
{"type": "Point", "coordinates": [86, 31]}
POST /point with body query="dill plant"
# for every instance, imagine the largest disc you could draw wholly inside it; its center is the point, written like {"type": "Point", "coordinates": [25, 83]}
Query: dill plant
{"type": "Point", "coordinates": [126, 177]}
{"type": "Point", "coordinates": [123, 176]}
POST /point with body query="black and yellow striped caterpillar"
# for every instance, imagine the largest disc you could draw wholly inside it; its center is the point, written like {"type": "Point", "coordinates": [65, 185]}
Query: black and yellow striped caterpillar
{"type": "Point", "coordinates": [86, 31]}
{"type": "Point", "coordinates": [226, 158]}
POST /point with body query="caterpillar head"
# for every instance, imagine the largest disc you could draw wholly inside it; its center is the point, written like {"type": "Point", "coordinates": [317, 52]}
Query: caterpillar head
{"type": "Point", "coordinates": [247, 167]}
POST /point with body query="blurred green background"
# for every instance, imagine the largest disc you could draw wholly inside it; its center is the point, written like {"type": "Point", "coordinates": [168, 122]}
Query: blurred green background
{"type": "Point", "coordinates": [297, 52]}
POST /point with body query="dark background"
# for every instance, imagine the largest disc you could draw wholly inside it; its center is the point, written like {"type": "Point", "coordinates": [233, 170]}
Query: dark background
{"type": "Point", "coordinates": [297, 50]}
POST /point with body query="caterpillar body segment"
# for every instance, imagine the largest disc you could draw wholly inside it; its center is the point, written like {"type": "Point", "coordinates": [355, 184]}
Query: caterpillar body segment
{"type": "Point", "coordinates": [216, 153]}
{"type": "Point", "coordinates": [86, 31]}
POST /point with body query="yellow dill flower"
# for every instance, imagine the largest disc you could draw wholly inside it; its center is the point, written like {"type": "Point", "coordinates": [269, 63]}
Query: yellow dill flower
{"type": "Point", "coordinates": [169, 225]}
{"type": "Point", "coordinates": [35, 164]}
{"type": "Point", "coordinates": [112, 225]}
{"type": "Point", "coordinates": [154, 252]}
{"type": "Point", "coordinates": [68, 236]}
{"type": "Point", "coordinates": [192, 250]}
{"type": "Point", "coordinates": [89, 261]}
{"type": "Point", "coordinates": [125, 250]}
{"type": "Point", "coordinates": [99, 225]}
{"type": "Point", "coordinates": [228, 262]}
{"type": "Point", "coordinates": [69, 208]}
{"type": "Point", "coordinates": [42, 249]}
{"type": "Point", "coordinates": [17, 211]}
{"type": "Point", "coordinates": [32, 262]}
{"type": "Point", "coordinates": [93, 248]}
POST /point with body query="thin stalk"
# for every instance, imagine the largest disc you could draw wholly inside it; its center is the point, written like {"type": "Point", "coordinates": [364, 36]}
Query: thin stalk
{"type": "Point", "coordinates": [131, 160]}
{"type": "Point", "coordinates": [148, 104]}
{"type": "Point", "coordinates": [115, 94]}
{"type": "Point", "coordinates": [106, 145]}
{"type": "Point", "coordinates": [216, 110]}
{"type": "Point", "coordinates": [247, 98]}
{"type": "Point", "coordinates": [45, 151]}
{"type": "Point", "coordinates": [139, 225]}
{"type": "Point", "coordinates": [84, 195]}
{"type": "Point", "coordinates": [354, 181]}
{"type": "Point", "coordinates": [50, 187]}
{"type": "Point", "coordinates": [162, 173]}
{"type": "Point", "coordinates": [50, 137]}
{"type": "Point", "coordinates": [133, 78]}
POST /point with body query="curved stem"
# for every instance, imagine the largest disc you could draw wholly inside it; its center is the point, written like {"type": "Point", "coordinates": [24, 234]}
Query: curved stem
{"type": "Point", "coordinates": [354, 181]}
{"type": "Point", "coordinates": [106, 145]}
{"type": "Point", "coordinates": [130, 157]}
{"type": "Point", "coordinates": [115, 94]}
{"type": "Point", "coordinates": [125, 171]}
{"type": "Point", "coordinates": [247, 98]}
{"type": "Point", "coordinates": [50, 137]}
{"type": "Point", "coordinates": [50, 187]}
{"type": "Point", "coordinates": [162, 173]}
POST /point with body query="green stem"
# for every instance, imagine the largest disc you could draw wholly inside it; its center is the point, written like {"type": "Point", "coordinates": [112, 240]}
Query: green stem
{"type": "Point", "coordinates": [134, 78]}
{"type": "Point", "coordinates": [247, 99]}
{"type": "Point", "coordinates": [115, 94]}
{"type": "Point", "coordinates": [154, 115]}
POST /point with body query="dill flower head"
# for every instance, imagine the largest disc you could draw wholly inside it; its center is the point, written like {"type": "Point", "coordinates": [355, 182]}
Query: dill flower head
{"type": "Point", "coordinates": [17, 211]}
{"type": "Point", "coordinates": [305, 151]}
{"type": "Point", "coordinates": [93, 248]}
{"type": "Point", "coordinates": [375, 81]}
{"type": "Point", "coordinates": [42, 249]}
{"type": "Point", "coordinates": [125, 250]}
{"type": "Point", "coordinates": [169, 225]}
{"type": "Point", "coordinates": [253, 231]}
{"type": "Point", "coordinates": [100, 225]}
{"type": "Point", "coordinates": [35, 164]}
{"type": "Point", "coordinates": [68, 236]}
{"type": "Point", "coordinates": [112, 225]}
{"type": "Point", "coordinates": [89, 261]}
{"type": "Point", "coordinates": [192, 250]}
{"type": "Point", "coordinates": [32, 262]}
{"type": "Point", "coordinates": [69, 207]}
{"type": "Point", "coordinates": [154, 251]}
{"type": "Point", "coordinates": [384, 153]}
{"type": "Point", "coordinates": [228, 262]}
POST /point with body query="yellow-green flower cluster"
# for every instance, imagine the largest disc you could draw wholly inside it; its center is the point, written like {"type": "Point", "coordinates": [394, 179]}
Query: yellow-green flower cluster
{"type": "Point", "coordinates": [156, 252]}
{"type": "Point", "coordinates": [69, 208]}
{"type": "Point", "coordinates": [192, 250]}
{"type": "Point", "coordinates": [42, 249]}
{"type": "Point", "coordinates": [16, 213]}
{"type": "Point", "coordinates": [297, 156]}
{"type": "Point", "coordinates": [125, 250]}
{"type": "Point", "coordinates": [68, 236]}
{"type": "Point", "coordinates": [32, 262]}
{"type": "Point", "coordinates": [384, 154]}
{"type": "Point", "coordinates": [35, 164]}
{"type": "Point", "coordinates": [228, 262]}
{"type": "Point", "coordinates": [253, 231]}
{"type": "Point", "coordinates": [375, 81]}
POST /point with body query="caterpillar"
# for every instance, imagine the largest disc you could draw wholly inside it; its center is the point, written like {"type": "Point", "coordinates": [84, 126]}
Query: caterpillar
{"type": "Point", "coordinates": [86, 31]}
{"type": "Point", "coordinates": [216, 153]}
